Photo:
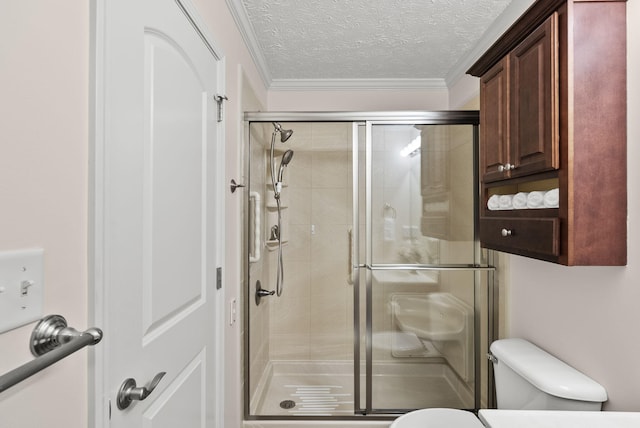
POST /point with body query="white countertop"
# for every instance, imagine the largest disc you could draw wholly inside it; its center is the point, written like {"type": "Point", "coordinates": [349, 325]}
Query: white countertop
{"type": "Point", "coordinates": [558, 419]}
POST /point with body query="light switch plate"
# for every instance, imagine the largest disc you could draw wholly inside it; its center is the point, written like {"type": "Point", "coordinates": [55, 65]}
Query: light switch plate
{"type": "Point", "coordinates": [21, 287]}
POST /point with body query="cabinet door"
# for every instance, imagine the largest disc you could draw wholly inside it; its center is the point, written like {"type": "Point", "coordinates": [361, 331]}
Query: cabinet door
{"type": "Point", "coordinates": [534, 132]}
{"type": "Point", "coordinates": [494, 120]}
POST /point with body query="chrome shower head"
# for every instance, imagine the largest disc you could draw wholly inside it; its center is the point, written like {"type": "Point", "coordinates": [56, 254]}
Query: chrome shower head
{"type": "Point", "coordinates": [285, 134]}
{"type": "Point", "coordinates": [286, 158]}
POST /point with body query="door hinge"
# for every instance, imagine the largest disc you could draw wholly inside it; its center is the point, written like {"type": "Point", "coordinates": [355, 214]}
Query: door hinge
{"type": "Point", "coordinates": [218, 278]}
{"type": "Point", "coordinates": [219, 99]}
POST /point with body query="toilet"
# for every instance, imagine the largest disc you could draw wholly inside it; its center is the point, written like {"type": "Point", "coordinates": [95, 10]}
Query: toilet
{"type": "Point", "coordinates": [526, 378]}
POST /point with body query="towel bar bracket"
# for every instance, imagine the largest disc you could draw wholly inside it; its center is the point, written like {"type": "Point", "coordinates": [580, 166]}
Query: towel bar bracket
{"type": "Point", "coordinates": [52, 331]}
{"type": "Point", "coordinates": [51, 341]}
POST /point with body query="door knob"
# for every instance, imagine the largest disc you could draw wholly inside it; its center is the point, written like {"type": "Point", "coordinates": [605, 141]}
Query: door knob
{"type": "Point", "coordinates": [129, 391]}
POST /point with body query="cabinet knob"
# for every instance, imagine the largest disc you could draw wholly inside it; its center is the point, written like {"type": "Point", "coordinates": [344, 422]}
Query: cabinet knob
{"type": "Point", "coordinates": [506, 167]}
{"type": "Point", "coordinates": [506, 232]}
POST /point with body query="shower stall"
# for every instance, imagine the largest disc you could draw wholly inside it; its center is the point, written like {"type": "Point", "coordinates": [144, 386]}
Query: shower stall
{"type": "Point", "coordinates": [367, 293]}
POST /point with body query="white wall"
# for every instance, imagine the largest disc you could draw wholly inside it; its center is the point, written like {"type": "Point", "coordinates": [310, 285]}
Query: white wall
{"type": "Point", "coordinates": [44, 83]}
{"type": "Point", "coordinates": [358, 100]}
{"type": "Point", "coordinates": [589, 316]}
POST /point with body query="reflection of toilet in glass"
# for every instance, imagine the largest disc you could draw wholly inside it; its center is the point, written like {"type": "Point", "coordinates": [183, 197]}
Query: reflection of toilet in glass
{"type": "Point", "coordinates": [526, 378]}
{"type": "Point", "coordinates": [432, 324]}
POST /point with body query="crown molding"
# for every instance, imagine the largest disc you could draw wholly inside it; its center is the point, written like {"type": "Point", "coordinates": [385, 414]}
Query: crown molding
{"type": "Point", "coordinates": [246, 30]}
{"type": "Point", "coordinates": [355, 84]}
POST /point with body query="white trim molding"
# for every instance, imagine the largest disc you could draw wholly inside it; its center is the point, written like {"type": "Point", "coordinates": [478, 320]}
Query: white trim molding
{"type": "Point", "coordinates": [251, 41]}
{"type": "Point", "coordinates": [355, 84]}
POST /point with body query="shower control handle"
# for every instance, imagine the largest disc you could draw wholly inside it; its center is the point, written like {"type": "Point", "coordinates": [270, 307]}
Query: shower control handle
{"type": "Point", "coordinates": [235, 185]}
{"type": "Point", "coordinates": [261, 292]}
{"type": "Point", "coordinates": [265, 293]}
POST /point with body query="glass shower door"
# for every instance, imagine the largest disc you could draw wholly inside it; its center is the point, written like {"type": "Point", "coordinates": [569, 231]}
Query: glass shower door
{"type": "Point", "coordinates": [300, 359]}
{"type": "Point", "coordinates": [418, 277]}
{"type": "Point", "coordinates": [380, 310]}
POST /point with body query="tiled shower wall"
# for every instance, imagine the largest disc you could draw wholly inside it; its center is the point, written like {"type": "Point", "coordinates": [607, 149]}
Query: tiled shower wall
{"type": "Point", "coordinates": [312, 319]}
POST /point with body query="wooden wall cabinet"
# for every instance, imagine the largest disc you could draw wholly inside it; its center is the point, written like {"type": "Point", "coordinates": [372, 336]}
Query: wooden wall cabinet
{"type": "Point", "coordinates": [494, 120]}
{"type": "Point", "coordinates": [553, 114]}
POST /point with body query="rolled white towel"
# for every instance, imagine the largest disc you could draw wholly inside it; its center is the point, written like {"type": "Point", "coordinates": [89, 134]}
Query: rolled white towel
{"type": "Point", "coordinates": [506, 202]}
{"type": "Point", "coordinates": [535, 200]}
{"type": "Point", "coordinates": [552, 199]}
{"type": "Point", "coordinates": [520, 200]}
{"type": "Point", "coordinates": [493, 203]}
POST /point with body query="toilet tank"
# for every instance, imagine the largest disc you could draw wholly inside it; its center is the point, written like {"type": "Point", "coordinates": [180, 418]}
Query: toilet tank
{"type": "Point", "coordinates": [528, 378]}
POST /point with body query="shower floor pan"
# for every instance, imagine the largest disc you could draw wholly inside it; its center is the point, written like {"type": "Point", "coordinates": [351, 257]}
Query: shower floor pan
{"type": "Point", "coordinates": [292, 388]}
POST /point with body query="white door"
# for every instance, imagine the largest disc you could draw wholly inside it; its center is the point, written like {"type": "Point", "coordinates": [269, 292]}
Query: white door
{"type": "Point", "coordinates": [158, 232]}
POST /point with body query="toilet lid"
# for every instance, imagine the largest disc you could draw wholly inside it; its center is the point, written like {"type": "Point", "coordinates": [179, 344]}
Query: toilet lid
{"type": "Point", "coordinates": [437, 418]}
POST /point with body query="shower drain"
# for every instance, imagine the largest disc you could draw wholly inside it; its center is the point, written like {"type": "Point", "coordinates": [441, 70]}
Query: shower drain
{"type": "Point", "coordinates": [287, 404]}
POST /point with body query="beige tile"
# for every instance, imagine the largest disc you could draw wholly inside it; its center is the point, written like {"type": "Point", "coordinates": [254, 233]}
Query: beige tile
{"type": "Point", "coordinates": [300, 206]}
{"type": "Point", "coordinates": [289, 314]}
{"type": "Point", "coordinates": [330, 283]}
{"type": "Point", "coordinates": [330, 169]}
{"type": "Point", "coordinates": [330, 246]}
{"type": "Point", "coordinates": [302, 135]}
{"type": "Point", "coordinates": [299, 170]}
{"type": "Point", "coordinates": [297, 281]}
{"type": "Point", "coordinates": [331, 136]}
{"type": "Point", "coordinates": [298, 249]}
{"type": "Point", "coordinates": [289, 346]}
{"type": "Point", "coordinates": [330, 206]}
{"type": "Point", "coordinates": [329, 314]}
{"type": "Point", "coordinates": [337, 345]}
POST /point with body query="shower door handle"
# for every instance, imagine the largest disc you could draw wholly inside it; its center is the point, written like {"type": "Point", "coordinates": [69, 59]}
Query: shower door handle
{"type": "Point", "coordinates": [351, 267]}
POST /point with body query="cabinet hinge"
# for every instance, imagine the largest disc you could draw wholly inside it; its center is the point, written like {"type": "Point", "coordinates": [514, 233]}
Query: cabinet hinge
{"type": "Point", "coordinates": [218, 278]}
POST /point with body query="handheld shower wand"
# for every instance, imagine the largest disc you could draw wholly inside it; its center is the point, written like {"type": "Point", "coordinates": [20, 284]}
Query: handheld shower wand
{"type": "Point", "coordinates": [286, 158]}
{"type": "Point", "coordinates": [285, 134]}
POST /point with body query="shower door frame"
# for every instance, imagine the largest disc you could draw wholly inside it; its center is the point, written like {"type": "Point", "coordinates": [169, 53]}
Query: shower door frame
{"type": "Point", "coordinates": [369, 119]}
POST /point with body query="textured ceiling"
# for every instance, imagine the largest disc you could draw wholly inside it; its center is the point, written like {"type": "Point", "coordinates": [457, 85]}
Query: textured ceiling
{"type": "Point", "coordinates": [363, 39]}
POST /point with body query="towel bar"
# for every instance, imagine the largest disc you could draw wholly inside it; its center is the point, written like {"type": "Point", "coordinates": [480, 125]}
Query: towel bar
{"type": "Point", "coordinates": [50, 342]}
